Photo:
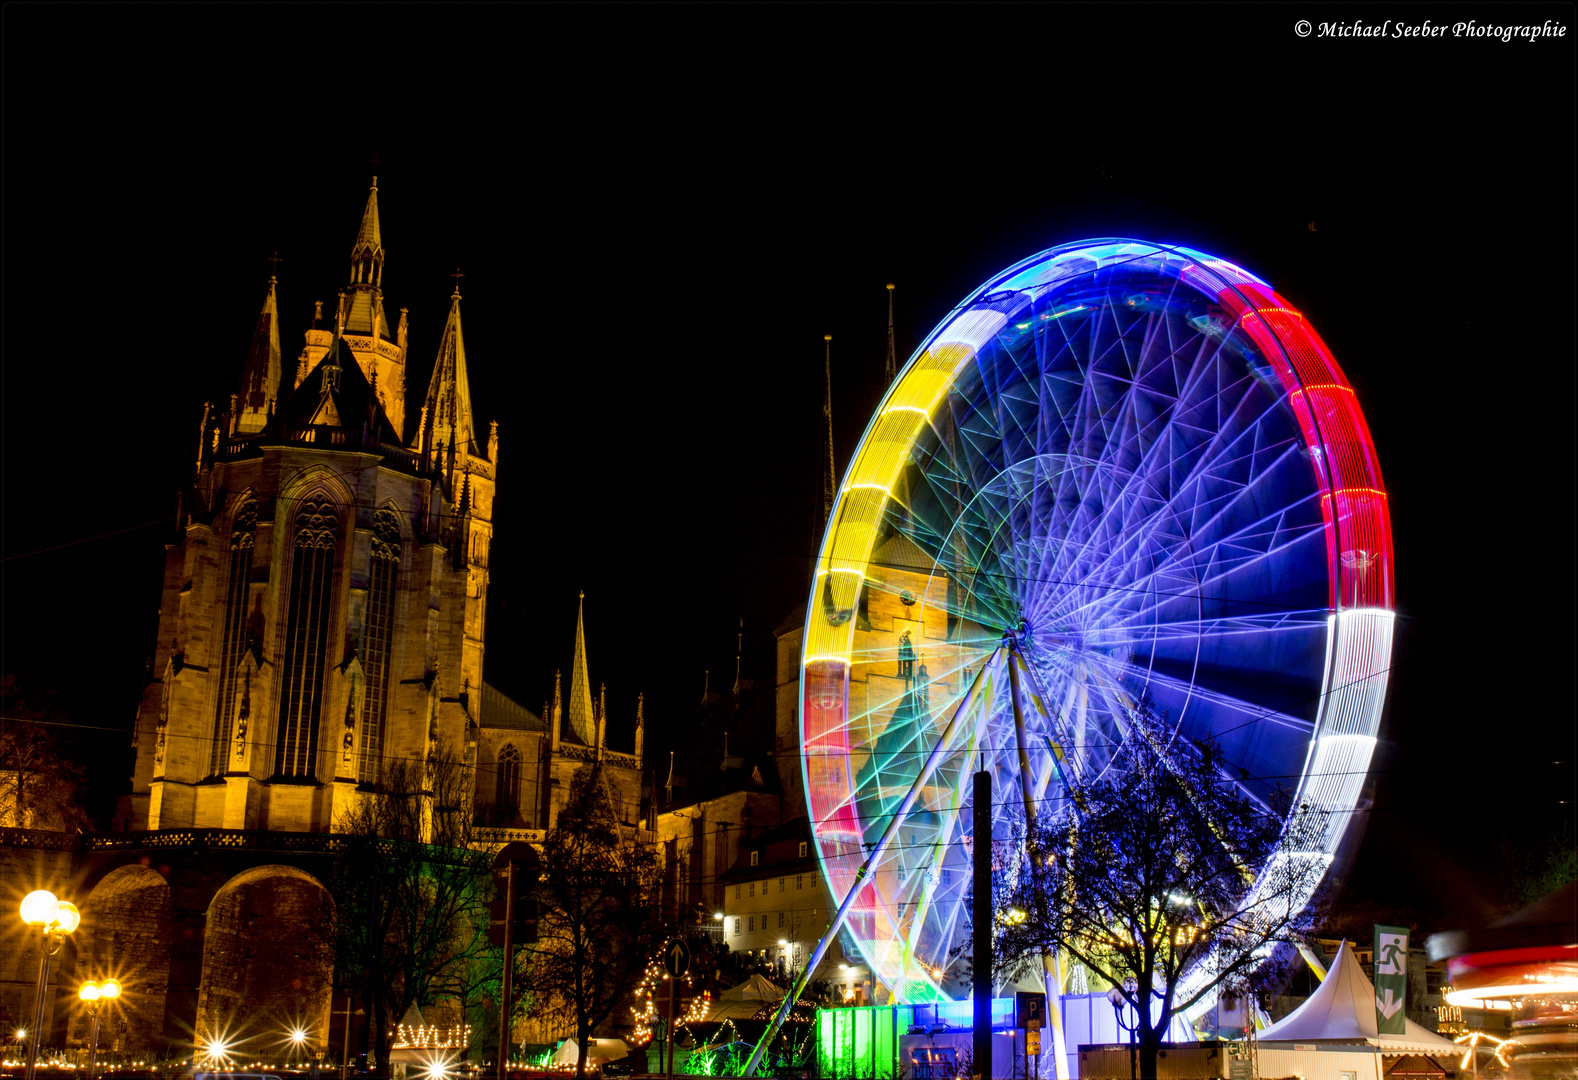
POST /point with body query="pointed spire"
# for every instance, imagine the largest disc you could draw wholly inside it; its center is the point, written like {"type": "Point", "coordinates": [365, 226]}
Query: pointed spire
{"type": "Point", "coordinates": [602, 718]}
{"type": "Point", "coordinates": [260, 376]}
{"type": "Point", "coordinates": [829, 483]}
{"type": "Point", "coordinates": [448, 402]}
{"type": "Point", "coordinates": [739, 647]}
{"type": "Point", "coordinates": [556, 721]}
{"type": "Point", "coordinates": [641, 723]}
{"type": "Point", "coordinates": [582, 722]}
{"type": "Point", "coordinates": [363, 312]}
{"type": "Point", "coordinates": [369, 242]}
{"type": "Point", "coordinates": [892, 367]}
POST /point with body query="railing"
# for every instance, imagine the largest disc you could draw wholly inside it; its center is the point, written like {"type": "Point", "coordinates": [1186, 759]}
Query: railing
{"type": "Point", "coordinates": [40, 839]}
{"type": "Point", "coordinates": [396, 457]}
{"type": "Point", "coordinates": [489, 836]}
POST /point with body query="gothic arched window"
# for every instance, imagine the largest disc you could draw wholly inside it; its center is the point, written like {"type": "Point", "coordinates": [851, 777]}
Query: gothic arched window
{"type": "Point", "coordinates": [243, 530]}
{"type": "Point", "coordinates": [508, 793]}
{"type": "Point", "coordinates": [380, 622]}
{"type": "Point", "coordinates": [306, 636]}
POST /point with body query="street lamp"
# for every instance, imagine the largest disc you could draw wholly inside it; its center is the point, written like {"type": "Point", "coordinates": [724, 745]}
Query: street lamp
{"type": "Point", "coordinates": [1115, 996]}
{"type": "Point", "coordinates": [55, 918]}
{"type": "Point", "coordinates": [94, 994]}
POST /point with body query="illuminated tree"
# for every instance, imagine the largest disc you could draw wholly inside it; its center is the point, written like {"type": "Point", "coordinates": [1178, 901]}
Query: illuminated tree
{"type": "Point", "coordinates": [598, 915]}
{"type": "Point", "coordinates": [40, 780]}
{"type": "Point", "coordinates": [1144, 876]}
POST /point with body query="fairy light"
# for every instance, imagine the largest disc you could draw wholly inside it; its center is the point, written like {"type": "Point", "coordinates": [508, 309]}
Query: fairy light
{"type": "Point", "coordinates": [433, 1037]}
{"type": "Point", "coordinates": [644, 1012]}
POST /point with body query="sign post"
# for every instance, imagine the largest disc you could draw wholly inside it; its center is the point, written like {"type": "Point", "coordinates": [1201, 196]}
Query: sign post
{"type": "Point", "coordinates": [1030, 1013]}
{"type": "Point", "coordinates": [1391, 979]}
{"type": "Point", "coordinates": [676, 961]}
{"type": "Point", "coordinates": [514, 870]}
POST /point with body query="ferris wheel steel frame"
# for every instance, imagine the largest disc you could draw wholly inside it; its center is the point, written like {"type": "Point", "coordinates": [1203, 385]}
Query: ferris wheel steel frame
{"type": "Point", "coordinates": [1087, 545]}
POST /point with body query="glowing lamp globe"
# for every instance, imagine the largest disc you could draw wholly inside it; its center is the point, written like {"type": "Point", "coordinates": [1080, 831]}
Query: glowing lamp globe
{"type": "Point", "coordinates": [68, 918]}
{"type": "Point", "coordinates": [90, 991]}
{"type": "Point", "coordinates": [109, 989]}
{"type": "Point", "coordinates": [40, 908]}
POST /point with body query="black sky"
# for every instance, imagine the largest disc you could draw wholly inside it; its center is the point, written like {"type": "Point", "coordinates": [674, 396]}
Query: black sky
{"type": "Point", "coordinates": [660, 211]}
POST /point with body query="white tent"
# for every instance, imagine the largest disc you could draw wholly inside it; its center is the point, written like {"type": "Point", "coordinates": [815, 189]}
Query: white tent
{"type": "Point", "coordinates": [1342, 1010]}
{"type": "Point", "coordinates": [744, 1001]}
{"type": "Point", "coordinates": [598, 1051]}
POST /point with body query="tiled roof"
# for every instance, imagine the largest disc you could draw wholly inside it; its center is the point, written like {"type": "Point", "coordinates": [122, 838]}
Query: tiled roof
{"type": "Point", "coordinates": [500, 711]}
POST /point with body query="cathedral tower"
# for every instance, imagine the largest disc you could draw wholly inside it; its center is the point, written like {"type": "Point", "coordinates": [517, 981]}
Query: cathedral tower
{"type": "Point", "coordinates": [325, 591]}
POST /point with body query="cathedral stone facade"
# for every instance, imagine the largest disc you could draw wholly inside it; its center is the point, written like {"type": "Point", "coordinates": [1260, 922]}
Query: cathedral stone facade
{"type": "Point", "coordinates": [325, 595]}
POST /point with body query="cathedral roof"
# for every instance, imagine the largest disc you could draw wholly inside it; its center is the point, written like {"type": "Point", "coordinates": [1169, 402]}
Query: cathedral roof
{"type": "Point", "coordinates": [337, 394]}
{"type": "Point", "coordinates": [502, 712]}
{"type": "Point", "coordinates": [902, 553]}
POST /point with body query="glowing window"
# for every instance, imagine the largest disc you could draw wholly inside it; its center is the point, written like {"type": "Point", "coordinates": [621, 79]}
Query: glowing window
{"type": "Point", "coordinates": [802, 849]}
{"type": "Point", "coordinates": [243, 529]}
{"type": "Point", "coordinates": [756, 857]}
{"type": "Point", "coordinates": [303, 666]}
{"type": "Point", "coordinates": [379, 647]}
{"type": "Point", "coordinates": [507, 791]}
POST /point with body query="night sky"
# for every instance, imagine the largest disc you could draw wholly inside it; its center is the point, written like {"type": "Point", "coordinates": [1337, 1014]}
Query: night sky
{"type": "Point", "coordinates": [660, 211]}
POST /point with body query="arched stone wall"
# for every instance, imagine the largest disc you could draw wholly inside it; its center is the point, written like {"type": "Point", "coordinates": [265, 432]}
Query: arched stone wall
{"type": "Point", "coordinates": [267, 964]}
{"type": "Point", "coordinates": [126, 936]}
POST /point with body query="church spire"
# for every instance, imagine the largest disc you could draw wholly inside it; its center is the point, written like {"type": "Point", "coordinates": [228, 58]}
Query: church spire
{"type": "Point", "coordinates": [362, 312]}
{"type": "Point", "coordinates": [369, 242]}
{"type": "Point", "coordinates": [261, 374]}
{"type": "Point", "coordinates": [579, 708]}
{"type": "Point", "coordinates": [892, 366]}
{"type": "Point", "coordinates": [448, 403]}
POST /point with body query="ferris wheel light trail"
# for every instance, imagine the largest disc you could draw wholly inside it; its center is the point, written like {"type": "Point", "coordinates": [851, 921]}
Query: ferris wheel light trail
{"type": "Point", "coordinates": [944, 743]}
{"type": "Point", "coordinates": [1142, 470]}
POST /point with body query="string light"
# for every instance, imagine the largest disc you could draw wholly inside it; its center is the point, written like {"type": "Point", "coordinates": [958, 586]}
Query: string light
{"type": "Point", "coordinates": [433, 1037]}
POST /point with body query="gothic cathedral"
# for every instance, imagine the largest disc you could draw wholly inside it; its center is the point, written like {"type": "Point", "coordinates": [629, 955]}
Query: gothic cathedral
{"type": "Point", "coordinates": [324, 603]}
{"type": "Point", "coordinates": [325, 595]}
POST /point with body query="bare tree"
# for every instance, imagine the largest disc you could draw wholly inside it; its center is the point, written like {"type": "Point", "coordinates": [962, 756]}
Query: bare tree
{"type": "Point", "coordinates": [40, 780]}
{"type": "Point", "coordinates": [598, 917]}
{"type": "Point", "coordinates": [411, 894]}
{"type": "Point", "coordinates": [1165, 872]}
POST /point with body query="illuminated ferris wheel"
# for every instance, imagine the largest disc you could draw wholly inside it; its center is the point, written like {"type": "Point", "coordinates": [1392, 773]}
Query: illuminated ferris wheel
{"type": "Point", "coordinates": [1118, 471]}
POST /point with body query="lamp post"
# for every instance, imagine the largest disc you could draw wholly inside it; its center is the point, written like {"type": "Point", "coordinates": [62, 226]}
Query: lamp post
{"type": "Point", "coordinates": [54, 918]}
{"type": "Point", "coordinates": [345, 1054]}
{"type": "Point", "coordinates": [1115, 996]}
{"type": "Point", "coordinates": [93, 995]}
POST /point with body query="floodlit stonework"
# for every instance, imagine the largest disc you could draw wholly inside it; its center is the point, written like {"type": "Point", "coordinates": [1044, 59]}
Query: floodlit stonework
{"type": "Point", "coordinates": [325, 594]}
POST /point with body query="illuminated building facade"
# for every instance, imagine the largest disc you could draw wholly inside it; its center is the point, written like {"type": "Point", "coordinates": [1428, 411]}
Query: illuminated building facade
{"type": "Point", "coordinates": [325, 592]}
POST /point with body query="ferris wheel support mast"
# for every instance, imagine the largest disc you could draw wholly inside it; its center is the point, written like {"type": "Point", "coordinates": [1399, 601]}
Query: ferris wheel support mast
{"type": "Point", "coordinates": [1049, 960]}
{"type": "Point", "coordinates": [862, 876]}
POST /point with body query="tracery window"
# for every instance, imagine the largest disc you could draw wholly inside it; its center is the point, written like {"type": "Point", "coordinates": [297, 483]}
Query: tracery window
{"type": "Point", "coordinates": [508, 791]}
{"type": "Point", "coordinates": [243, 532]}
{"type": "Point", "coordinates": [306, 636]}
{"type": "Point", "coordinates": [377, 655]}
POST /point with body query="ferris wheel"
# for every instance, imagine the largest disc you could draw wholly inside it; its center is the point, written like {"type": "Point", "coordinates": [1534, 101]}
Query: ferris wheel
{"type": "Point", "coordinates": [1118, 472]}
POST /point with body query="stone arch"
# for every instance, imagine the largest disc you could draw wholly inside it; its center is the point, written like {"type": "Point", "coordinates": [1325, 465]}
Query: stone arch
{"type": "Point", "coordinates": [267, 961]}
{"type": "Point", "coordinates": [126, 935]}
